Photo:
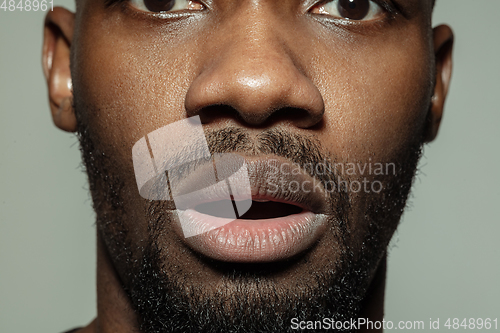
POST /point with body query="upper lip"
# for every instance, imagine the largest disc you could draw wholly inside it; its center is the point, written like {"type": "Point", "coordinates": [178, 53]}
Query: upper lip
{"type": "Point", "coordinates": [271, 178]}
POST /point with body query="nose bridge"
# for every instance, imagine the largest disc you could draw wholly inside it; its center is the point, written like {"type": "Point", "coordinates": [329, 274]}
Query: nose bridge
{"type": "Point", "coordinates": [257, 65]}
{"type": "Point", "coordinates": [253, 70]}
{"type": "Point", "coordinates": [253, 33]}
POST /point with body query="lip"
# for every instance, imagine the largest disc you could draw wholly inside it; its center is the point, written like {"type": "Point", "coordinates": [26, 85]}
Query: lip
{"type": "Point", "coordinates": [260, 240]}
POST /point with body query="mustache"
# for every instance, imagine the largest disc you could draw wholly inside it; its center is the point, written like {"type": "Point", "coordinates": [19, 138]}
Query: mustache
{"type": "Point", "coordinates": [300, 150]}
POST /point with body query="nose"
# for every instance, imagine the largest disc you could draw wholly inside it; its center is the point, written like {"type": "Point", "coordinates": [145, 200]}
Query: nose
{"type": "Point", "coordinates": [252, 71]}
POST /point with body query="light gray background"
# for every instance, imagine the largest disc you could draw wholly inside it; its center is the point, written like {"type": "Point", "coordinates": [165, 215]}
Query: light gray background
{"type": "Point", "coordinates": [444, 260]}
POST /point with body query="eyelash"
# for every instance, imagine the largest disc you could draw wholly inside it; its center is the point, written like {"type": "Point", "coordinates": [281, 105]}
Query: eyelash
{"type": "Point", "coordinates": [367, 28]}
{"type": "Point", "coordinates": [391, 9]}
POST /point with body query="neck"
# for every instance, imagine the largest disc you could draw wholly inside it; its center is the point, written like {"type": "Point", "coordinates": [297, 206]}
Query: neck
{"type": "Point", "coordinates": [373, 304]}
{"type": "Point", "coordinates": [114, 310]}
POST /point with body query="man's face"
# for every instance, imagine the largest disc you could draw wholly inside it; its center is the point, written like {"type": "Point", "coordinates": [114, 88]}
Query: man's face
{"type": "Point", "coordinates": [293, 82]}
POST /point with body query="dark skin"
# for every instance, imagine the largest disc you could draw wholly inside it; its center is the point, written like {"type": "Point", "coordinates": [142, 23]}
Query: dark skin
{"type": "Point", "coordinates": [365, 90]}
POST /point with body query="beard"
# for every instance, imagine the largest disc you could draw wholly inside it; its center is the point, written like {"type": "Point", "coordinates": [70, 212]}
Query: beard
{"type": "Point", "coordinates": [250, 297]}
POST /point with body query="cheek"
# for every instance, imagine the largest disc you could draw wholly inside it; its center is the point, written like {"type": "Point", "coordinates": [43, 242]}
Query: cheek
{"type": "Point", "coordinates": [131, 82]}
{"type": "Point", "coordinates": [377, 104]}
{"type": "Point", "coordinates": [125, 87]}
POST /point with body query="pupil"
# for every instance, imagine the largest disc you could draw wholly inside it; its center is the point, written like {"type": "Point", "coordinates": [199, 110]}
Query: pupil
{"type": "Point", "coordinates": [159, 5]}
{"type": "Point", "coordinates": [354, 9]}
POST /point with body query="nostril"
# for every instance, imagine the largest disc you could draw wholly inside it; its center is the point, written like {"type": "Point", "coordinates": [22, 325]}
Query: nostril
{"type": "Point", "coordinates": [214, 113]}
{"type": "Point", "coordinates": [211, 113]}
{"type": "Point", "coordinates": [295, 115]}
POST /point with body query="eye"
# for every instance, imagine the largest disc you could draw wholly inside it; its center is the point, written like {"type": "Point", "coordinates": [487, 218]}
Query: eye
{"type": "Point", "coordinates": [162, 6]}
{"type": "Point", "coordinates": [356, 10]}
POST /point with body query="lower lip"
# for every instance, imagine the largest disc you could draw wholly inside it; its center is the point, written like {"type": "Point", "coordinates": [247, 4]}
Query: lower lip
{"type": "Point", "coordinates": [263, 240]}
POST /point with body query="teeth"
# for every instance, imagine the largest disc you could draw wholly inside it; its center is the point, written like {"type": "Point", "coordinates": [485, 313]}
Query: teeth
{"type": "Point", "coordinates": [256, 200]}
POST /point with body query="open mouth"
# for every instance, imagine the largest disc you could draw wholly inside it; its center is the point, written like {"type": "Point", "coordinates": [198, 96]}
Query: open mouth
{"type": "Point", "coordinates": [276, 223]}
{"type": "Point", "coordinates": [260, 209]}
